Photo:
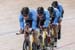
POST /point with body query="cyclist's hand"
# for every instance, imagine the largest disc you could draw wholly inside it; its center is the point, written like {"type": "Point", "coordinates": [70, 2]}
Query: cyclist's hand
{"type": "Point", "coordinates": [21, 31]}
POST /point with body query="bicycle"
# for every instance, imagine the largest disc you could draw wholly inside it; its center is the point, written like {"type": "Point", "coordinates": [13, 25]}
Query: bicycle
{"type": "Point", "coordinates": [33, 41]}
{"type": "Point", "coordinates": [26, 43]}
{"type": "Point", "coordinates": [42, 39]}
{"type": "Point", "coordinates": [52, 37]}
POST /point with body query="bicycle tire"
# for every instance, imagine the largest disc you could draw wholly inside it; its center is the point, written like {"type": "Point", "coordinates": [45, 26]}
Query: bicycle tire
{"type": "Point", "coordinates": [25, 46]}
{"type": "Point", "coordinates": [34, 46]}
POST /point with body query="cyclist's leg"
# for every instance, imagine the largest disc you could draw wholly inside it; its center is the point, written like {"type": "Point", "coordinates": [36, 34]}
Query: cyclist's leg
{"type": "Point", "coordinates": [20, 32]}
{"type": "Point", "coordinates": [55, 31]}
{"type": "Point", "coordinates": [55, 35]}
{"type": "Point", "coordinates": [59, 29]}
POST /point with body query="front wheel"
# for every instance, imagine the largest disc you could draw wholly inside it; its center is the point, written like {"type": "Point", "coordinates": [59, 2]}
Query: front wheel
{"type": "Point", "coordinates": [34, 46]}
{"type": "Point", "coordinates": [25, 45]}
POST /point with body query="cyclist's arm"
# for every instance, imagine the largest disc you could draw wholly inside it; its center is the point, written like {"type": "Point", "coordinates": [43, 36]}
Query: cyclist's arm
{"type": "Point", "coordinates": [46, 23]}
{"type": "Point", "coordinates": [21, 22]}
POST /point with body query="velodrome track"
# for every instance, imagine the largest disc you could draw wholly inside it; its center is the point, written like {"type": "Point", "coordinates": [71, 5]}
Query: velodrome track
{"type": "Point", "coordinates": [9, 25]}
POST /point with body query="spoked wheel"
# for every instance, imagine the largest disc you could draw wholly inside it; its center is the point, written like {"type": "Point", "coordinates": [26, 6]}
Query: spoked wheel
{"type": "Point", "coordinates": [34, 46]}
{"type": "Point", "coordinates": [52, 46]}
{"type": "Point", "coordinates": [52, 43]}
{"type": "Point", "coordinates": [25, 45]}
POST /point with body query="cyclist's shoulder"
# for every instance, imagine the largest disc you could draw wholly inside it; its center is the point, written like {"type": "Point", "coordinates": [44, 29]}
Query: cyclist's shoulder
{"type": "Point", "coordinates": [32, 10]}
{"type": "Point", "coordinates": [55, 9]}
{"type": "Point", "coordinates": [46, 11]}
{"type": "Point", "coordinates": [20, 16]}
{"type": "Point", "coordinates": [60, 5]}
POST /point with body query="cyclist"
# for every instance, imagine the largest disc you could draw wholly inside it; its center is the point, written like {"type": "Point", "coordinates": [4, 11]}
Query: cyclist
{"type": "Point", "coordinates": [42, 20]}
{"type": "Point", "coordinates": [54, 17]}
{"type": "Point", "coordinates": [57, 5]}
{"type": "Point", "coordinates": [27, 16]}
{"type": "Point", "coordinates": [42, 17]}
